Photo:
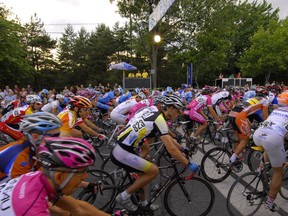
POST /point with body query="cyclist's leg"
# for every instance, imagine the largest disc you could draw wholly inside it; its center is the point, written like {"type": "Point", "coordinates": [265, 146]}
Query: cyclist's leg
{"type": "Point", "coordinates": [274, 146]}
{"type": "Point", "coordinates": [128, 159]}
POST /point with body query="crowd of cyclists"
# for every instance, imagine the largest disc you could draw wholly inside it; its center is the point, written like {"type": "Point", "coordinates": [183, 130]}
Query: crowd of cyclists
{"type": "Point", "coordinates": [48, 158]}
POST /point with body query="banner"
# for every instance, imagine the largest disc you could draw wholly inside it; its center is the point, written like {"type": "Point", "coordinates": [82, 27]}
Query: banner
{"type": "Point", "coordinates": [190, 74]}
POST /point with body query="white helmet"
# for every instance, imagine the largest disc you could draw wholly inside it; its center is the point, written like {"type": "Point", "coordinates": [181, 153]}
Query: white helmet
{"type": "Point", "coordinates": [33, 99]}
{"type": "Point", "coordinates": [59, 96]}
{"type": "Point", "coordinates": [141, 95]}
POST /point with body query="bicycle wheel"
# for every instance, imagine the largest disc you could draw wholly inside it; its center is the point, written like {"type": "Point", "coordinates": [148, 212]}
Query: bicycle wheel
{"type": "Point", "coordinates": [164, 162]}
{"type": "Point", "coordinates": [254, 159]}
{"type": "Point", "coordinates": [192, 197]}
{"type": "Point", "coordinates": [100, 200]}
{"type": "Point", "coordinates": [284, 189]}
{"type": "Point", "coordinates": [246, 195]}
{"type": "Point", "coordinates": [215, 165]}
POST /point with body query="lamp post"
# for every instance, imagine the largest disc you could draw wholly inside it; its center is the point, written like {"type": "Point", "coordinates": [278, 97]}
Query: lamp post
{"type": "Point", "coordinates": [156, 40]}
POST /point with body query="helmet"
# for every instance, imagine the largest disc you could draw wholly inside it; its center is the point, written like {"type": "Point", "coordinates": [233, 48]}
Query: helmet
{"type": "Point", "coordinates": [68, 152]}
{"type": "Point", "coordinates": [169, 89]}
{"type": "Point", "coordinates": [33, 99]}
{"type": "Point", "coordinates": [173, 100]}
{"type": "Point", "coordinates": [59, 96]}
{"type": "Point", "coordinates": [156, 93]}
{"type": "Point", "coordinates": [207, 88]}
{"type": "Point", "coordinates": [81, 102]}
{"type": "Point", "coordinates": [157, 99]}
{"type": "Point", "coordinates": [141, 95]}
{"type": "Point", "coordinates": [45, 91]}
{"type": "Point", "coordinates": [260, 91]}
{"type": "Point", "coordinates": [40, 121]}
{"type": "Point", "coordinates": [137, 90]}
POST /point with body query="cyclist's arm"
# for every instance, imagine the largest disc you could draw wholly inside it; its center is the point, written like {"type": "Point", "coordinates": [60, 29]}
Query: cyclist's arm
{"type": "Point", "coordinates": [91, 125]}
{"type": "Point", "coordinates": [88, 130]}
{"type": "Point", "coordinates": [213, 113]}
{"type": "Point", "coordinates": [79, 207]}
{"type": "Point", "coordinates": [203, 114]}
{"type": "Point", "coordinates": [173, 150]}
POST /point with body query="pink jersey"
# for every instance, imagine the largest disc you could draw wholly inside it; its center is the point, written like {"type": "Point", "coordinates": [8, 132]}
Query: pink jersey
{"type": "Point", "coordinates": [199, 102]}
{"type": "Point", "coordinates": [138, 106]}
{"type": "Point", "coordinates": [26, 195]}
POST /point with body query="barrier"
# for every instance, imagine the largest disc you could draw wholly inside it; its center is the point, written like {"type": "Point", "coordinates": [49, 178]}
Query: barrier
{"type": "Point", "coordinates": [233, 82]}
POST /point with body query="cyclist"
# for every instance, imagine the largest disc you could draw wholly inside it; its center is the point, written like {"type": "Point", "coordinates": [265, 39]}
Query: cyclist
{"type": "Point", "coordinates": [283, 99]}
{"type": "Point", "coordinates": [18, 157]}
{"type": "Point", "coordinates": [119, 113]}
{"type": "Point", "coordinates": [68, 117]}
{"type": "Point", "coordinates": [222, 97]}
{"type": "Point", "coordinates": [9, 122]}
{"type": "Point", "coordinates": [146, 122]}
{"type": "Point", "coordinates": [270, 135]}
{"type": "Point", "coordinates": [64, 162]}
{"type": "Point", "coordinates": [107, 102]}
{"type": "Point", "coordinates": [53, 106]}
{"type": "Point", "coordinates": [238, 118]}
{"type": "Point", "coordinates": [193, 111]}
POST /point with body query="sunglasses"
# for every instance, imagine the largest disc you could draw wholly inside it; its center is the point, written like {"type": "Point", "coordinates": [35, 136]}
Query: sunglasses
{"type": "Point", "coordinates": [39, 103]}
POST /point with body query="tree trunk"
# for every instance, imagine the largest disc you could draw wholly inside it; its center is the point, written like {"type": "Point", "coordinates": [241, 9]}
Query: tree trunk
{"type": "Point", "coordinates": [267, 76]}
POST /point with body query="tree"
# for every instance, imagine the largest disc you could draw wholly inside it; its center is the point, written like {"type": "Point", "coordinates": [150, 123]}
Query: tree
{"type": "Point", "coordinates": [268, 53]}
{"type": "Point", "coordinates": [13, 63]}
{"type": "Point", "coordinates": [40, 46]}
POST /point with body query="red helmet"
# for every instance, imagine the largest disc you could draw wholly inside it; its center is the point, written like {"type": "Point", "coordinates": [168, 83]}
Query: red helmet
{"type": "Point", "coordinates": [81, 102]}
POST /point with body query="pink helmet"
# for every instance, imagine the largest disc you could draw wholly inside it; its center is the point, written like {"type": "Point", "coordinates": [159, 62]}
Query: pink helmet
{"type": "Point", "coordinates": [68, 152]}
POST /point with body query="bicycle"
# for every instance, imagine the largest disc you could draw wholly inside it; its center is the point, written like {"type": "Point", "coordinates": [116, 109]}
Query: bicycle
{"type": "Point", "coordinates": [215, 164]}
{"type": "Point", "coordinates": [196, 195]}
{"type": "Point", "coordinates": [248, 192]}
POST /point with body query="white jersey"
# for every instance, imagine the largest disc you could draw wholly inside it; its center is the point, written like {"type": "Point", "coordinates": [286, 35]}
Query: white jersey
{"type": "Point", "coordinates": [125, 106]}
{"type": "Point", "coordinates": [220, 97]}
{"type": "Point", "coordinates": [51, 105]}
{"type": "Point", "coordinates": [277, 122]}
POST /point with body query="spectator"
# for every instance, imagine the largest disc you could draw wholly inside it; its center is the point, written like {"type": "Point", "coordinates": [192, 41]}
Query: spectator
{"type": "Point", "coordinates": [65, 90]}
{"type": "Point", "coordinates": [221, 76]}
{"type": "Point", "coordinates": [238, 75]}
{"type": "Point", "coordinates": [138, 74]}
{"type": "Point", "coordinates": [10, 97]}
{"type": "Point", "coordinates": [29, 90]}
{"type": "Point", "coordinates": [232, 76]}
{"type": "Point", "coordinates": [16, 89]}
{"type": "Point", "coordinates": [131, 75]}
{"type": "Point", "coordinates": [145, 74]}
{"type": "Point", "coordinates": [7, 90]}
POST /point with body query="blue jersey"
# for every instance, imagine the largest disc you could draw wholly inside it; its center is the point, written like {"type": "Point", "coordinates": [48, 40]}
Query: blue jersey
{"type": "Point", "coordinates": [107, 97]}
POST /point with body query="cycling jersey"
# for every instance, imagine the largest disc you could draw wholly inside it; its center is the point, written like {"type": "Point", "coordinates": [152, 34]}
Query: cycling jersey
{"type": "Point", "coordinates": [249, 94]}
{"type": "Point", "coordinates": [270, 135]}
{"type": "Point", "coordinates": [17, 158]}
{"type": "Point", "coordinates": [145, 122]}
{"type": "Point", "coordinates": [138, 106]}
{"type": "Point", "coordinates": [12, 105]}
{"type": "Point", "coordinates": [120, 112]}
{"type": "Point", "coordinates": [14, 116]}
{"type": "Point", "coordinates": [283, 99]}
{"type": "Point", "coordinates": [223, 96]}
{"type": "Point", "coordinates": [68, 119]}
{"type": "Point", "coordinates": [51, 105]}
{"type": "Point", "coordinates": [192, 110]}
{"type": "Point", "coordinates": [26, 195]}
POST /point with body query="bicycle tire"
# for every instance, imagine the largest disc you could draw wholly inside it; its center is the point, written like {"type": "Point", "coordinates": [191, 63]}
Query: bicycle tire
{"type": "Point", "coordinates": [254, 159]}
{"type": "Point", "coordinates": [200, 192]}
{"type": "Point", "coordinates": [164, 163]}
{"type": "Point", "coordinates": [215, 165]}
{"type": "Point", "coordinates": [284, 189]}
{"type": "Point", "coordinates": [100, 200]}
{"type": "Point", "coordinates": [240, 196]}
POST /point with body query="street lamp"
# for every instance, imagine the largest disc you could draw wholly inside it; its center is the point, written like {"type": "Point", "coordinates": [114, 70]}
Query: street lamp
{"type": "Point", "coordinates": [156, 40]}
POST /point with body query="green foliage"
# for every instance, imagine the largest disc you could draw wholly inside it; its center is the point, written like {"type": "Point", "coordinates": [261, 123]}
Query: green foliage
{"type": "Point", "coordinates": [268, 53]}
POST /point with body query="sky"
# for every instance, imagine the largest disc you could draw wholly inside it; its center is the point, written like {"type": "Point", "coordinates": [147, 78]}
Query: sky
{"type": "Point", "coordinates": [93, 12]}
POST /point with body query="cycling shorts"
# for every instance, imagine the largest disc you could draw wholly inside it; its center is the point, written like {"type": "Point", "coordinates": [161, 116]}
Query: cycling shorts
{"type": "Point", "coordinates": [126, 157]}
{"type": "Point", "coordinates": [273, 144]}
{"type": "Point", "coordinates": [240, 122]}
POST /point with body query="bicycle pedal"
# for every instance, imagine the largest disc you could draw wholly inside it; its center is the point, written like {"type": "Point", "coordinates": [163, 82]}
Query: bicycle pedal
{"type": "Point", "coordinates": [238, 167]}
